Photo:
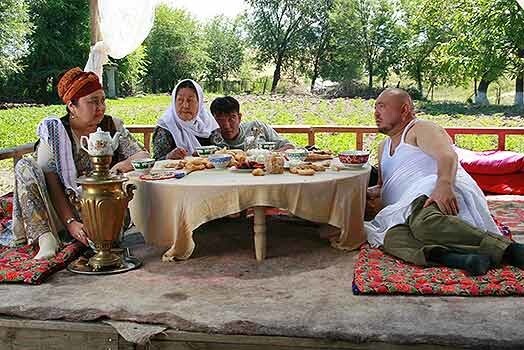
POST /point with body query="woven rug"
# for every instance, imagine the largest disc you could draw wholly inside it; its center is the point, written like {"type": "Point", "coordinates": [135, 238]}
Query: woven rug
{"type": "Point", "coordinates": [509, 210]}
{"type": "Point", "coordinates": [379, 273]}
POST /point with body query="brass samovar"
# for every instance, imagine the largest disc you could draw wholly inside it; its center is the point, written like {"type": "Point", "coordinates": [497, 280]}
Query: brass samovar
{"type": "Point", "coordinates": [102, 202]}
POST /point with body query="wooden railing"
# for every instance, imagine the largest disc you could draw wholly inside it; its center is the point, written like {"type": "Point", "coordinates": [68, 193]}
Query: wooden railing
{"type": "Point", "coordinates": [16, 153]}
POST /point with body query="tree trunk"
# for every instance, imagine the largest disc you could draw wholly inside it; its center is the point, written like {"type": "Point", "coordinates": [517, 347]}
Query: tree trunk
{"type": "Point", "coordinates": [316, 68]}
{"type": "Point", "coordinates": [276, 74]}
{"type": "Point", "coordinates": [482, 93]}
{"type": "Point", "coordinates": [94, 22]}
{"type": "Point", "coordinates": [370, 78]}
{"type": "Point", "coordinates": [419, 81]}
{"type": "Point", "coordinates": [475, 90]}
{"type": "Point", "coordinates": [519, 89]}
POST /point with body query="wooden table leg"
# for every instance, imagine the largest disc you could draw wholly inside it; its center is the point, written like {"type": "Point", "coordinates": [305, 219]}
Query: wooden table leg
{"type": "Point", "coordinates": [260, 233]}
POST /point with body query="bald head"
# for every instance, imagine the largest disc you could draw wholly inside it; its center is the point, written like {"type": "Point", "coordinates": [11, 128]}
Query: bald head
{"type": "Point", "coordinates": [394, 109]}
{"type": "Point", "coordinates": [400, 96]}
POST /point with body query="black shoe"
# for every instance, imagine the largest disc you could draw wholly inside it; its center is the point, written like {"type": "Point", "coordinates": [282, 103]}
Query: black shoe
{"type": "Point", "coordinates": [515, 254]}
{"type": "Point", "coordinates": [475, 264]}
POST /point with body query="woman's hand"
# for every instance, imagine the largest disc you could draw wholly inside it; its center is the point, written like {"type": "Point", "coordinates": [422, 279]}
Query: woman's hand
{"type": "Point", "coordinates": [122, 167]}
{"type": "Point", "coordinates": [177, 153]}
{"type": "Point", "coordinates": [76, 229]}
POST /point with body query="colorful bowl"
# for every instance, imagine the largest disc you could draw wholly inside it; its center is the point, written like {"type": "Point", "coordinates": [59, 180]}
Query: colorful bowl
{"type": "Point", "coordinates": [354, 157]}
{"type": "Point", "coordinates": [143, 165]}
{"type": "Point", "coordinates": [220, 161]}
{"type": "Point", "coordinates": [204, 151]}
{"type": "Point", "coordinates": [297, 154]}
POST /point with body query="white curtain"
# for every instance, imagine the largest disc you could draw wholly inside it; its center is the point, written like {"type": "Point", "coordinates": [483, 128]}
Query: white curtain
{"type": "Point", "coordinates": [124, 25]}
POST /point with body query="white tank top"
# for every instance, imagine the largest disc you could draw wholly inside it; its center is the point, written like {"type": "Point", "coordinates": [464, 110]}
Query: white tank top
{"type": "Point", "coordinates": [408, 164]}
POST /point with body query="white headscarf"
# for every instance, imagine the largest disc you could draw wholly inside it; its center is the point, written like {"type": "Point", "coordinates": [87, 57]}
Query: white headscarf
{"type": "Point", "coordinates": [184, 132]}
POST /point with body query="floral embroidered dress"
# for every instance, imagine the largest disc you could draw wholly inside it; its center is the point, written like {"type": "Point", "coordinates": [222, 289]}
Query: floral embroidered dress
{"type": "Point", "coordinates": [33, 211]}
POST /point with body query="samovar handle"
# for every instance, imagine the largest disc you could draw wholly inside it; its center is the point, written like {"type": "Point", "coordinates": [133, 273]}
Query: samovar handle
{"type": "Point", "coordinates": [73, 199]}
{"type": "Point", "coordinates": [129, 188]}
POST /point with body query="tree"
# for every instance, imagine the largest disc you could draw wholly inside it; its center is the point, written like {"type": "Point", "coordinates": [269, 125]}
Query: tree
{"type": "Point", "coordinates": [428, 29]}
{"type": "Point", "coordinates": [317, 40]}
{"type": "Point", "coordinates": [225, 48]}
{"type": "Point", "coordinates": [14, 28]}
{"type": "Point", "coordinates": [175, 49]}
{"type": "Point", "coordinates": [131, 71]}
{"type": "Point", "coordinates": [60, 41]}
{"type": "Point", "coordinates": [480, 45]}
{"type": "Point", "coordinates": [371, 30]}
{"type": "Point", "coordinates": [277, 29]}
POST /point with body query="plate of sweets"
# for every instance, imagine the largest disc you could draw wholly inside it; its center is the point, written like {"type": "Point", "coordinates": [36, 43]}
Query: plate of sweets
{"type": "Point", "coordinates": [247, 166]}
{"type": "Point", "coordinates": [319, 155]}
{"type": "Point", "coordinates": [164, 175]}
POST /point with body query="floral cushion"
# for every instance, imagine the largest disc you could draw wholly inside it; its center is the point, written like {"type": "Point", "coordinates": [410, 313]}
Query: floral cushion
{"type": "Point", "coordinates": [17, 265]}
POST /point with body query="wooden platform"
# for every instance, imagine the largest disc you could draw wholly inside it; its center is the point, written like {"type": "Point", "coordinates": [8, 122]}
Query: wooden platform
{"type": "Point", "coordinates": [37, 335]}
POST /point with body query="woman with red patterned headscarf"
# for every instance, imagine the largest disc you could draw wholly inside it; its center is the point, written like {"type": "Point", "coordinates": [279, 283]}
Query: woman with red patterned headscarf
{"type": "Point", "coordinates": [41, 212]}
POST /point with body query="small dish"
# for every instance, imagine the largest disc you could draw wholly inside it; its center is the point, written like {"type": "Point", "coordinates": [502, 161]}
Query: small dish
{"type": "Point", "coordinates": [143, 165]}
{"type": "Point", "coordinates": [354, 158]}
{"type": "Point", "coordinates": [297, 154]}
{"type": "Point", "coordinates": [220, 161]}
{"type": "Point", "coordinates": [205, 151]}
{"type": "Point", "coordinates": [163, 175]}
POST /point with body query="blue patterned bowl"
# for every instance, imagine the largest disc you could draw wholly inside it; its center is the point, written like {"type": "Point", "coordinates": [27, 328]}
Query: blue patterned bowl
{"type": "Point", "coordinates": [220, 161]}
{"type": "Point", "coordinates": [297, 154]}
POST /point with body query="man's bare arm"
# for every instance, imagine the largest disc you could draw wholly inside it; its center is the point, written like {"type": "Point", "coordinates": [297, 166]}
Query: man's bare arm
{"type": "Point", "coordinates": [434, 141]}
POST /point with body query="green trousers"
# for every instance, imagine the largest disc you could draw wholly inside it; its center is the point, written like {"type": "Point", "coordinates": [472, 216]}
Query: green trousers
{"type": "Point", "coordinates": [428, 228]}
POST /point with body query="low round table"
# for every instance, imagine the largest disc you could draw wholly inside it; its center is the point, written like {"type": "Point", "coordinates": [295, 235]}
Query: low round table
{"type": "Point", "coordinates": [167, 211]}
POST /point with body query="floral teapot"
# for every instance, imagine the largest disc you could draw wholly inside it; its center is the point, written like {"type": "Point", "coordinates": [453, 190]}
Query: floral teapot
{"type": "Point", "coordinates": [100, 143]}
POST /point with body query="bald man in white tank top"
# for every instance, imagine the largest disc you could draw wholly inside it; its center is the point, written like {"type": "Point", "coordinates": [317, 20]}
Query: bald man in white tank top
{"type": "Point", "coordinates": [432, 211]}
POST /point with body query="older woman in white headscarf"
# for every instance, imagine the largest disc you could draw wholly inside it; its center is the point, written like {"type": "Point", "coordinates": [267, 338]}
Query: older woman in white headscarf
{"type": "Point", "coordinates": [185, 125]}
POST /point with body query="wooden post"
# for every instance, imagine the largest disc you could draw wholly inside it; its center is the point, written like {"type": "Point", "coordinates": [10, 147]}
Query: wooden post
{"type": "Point", "coordinates": [360, 141]}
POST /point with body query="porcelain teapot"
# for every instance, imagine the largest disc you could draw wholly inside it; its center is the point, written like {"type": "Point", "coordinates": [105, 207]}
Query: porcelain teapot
{"type": "Point", "coordinates": [100, 143]}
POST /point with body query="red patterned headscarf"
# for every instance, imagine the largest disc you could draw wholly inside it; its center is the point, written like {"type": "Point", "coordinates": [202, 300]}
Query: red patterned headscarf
{"type": "Point", "coordinates": [76, 83]}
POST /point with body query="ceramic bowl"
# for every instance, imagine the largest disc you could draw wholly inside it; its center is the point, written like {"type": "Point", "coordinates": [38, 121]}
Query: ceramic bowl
{"type": "Point", "coordinates": [353, 157]}
{"type": "Point", "coordinates": [220, 161]}
{"type": "Point", "coordinates": [143, 165]}
{"type": "Point", "coordinates": [268, 145]}
{"type": "Point", "coordinates": [297, 154]}
{"type": "Point", "coordinates": [204, 151]}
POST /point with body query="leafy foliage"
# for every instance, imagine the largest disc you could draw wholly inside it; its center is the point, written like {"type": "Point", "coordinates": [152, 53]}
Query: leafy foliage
{"type": "Point", "coordinates": [131, 72]}
{"type": "Point", "coordinates": [175, 49]}
{"type": "Point", "coordinates": [14, 28]}
{"type": "Point", "coordinates": [60, 41]}
{"type": "Point", "coordinates": [225, 48]}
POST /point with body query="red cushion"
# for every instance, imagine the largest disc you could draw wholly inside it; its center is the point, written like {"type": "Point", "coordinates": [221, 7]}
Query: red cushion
{"type": "Point", "coordinates": [491, 162]}
{"type": "Point", "coordinates": [501, 184]}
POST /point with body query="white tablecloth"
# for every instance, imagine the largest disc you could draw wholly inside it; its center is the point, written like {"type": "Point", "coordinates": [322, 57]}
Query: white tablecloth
{"type": "Point", "coordinates": [167, 211]}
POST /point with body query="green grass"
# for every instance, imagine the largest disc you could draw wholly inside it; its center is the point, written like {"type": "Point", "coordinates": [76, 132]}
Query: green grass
{"type": "Point", "coordinates": [18, 125]}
